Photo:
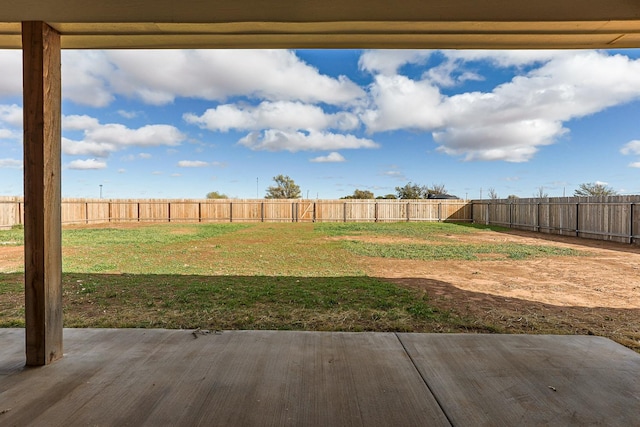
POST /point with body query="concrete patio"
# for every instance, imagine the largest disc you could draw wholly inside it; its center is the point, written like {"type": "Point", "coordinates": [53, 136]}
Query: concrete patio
{"type": "Point", "coordinates": [118, 377]}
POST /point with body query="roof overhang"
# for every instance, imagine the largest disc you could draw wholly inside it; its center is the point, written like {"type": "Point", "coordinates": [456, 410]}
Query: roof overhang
{"type": "Point", "coordinates": [468, 24]}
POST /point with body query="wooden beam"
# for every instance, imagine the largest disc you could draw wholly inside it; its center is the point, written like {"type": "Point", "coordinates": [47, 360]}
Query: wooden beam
{"type": "Point", "coordinates": [42, 227]}
{"type": "Point", "coordinates": [431, 24]}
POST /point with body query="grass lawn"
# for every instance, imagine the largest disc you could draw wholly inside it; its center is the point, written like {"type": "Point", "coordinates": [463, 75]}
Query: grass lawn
{"type": "Point", "coordinates": [253, 276]}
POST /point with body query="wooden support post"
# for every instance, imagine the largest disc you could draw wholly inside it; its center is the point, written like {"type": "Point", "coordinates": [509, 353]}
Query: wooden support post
{"type": "Point", "coordinates": [43, 235]}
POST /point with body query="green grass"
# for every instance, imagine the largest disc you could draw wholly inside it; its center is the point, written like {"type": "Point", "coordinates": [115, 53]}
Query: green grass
{"type": "Point", "coordinates": [235, 302]}
{"type": "Point", "coordinates": [254, 276]}
{"type": "Point", "coordinates": [418, 230]}
{"type": "Point", "coordinates": [12, 237]}
{"type": "Point", "coordinates": [456, 251]}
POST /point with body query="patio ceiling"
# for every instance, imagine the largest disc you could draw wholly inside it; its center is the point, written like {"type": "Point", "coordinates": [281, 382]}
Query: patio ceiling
{"type": "Point", "coordinates": [488, 24]}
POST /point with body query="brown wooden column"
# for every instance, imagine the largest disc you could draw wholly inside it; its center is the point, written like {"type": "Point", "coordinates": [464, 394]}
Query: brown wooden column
{"type": "Point", "coordinates": [42, 225]}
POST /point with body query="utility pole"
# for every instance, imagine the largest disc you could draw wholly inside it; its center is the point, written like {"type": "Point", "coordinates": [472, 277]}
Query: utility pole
{"type": "Point", "coordinates": [101, 191]}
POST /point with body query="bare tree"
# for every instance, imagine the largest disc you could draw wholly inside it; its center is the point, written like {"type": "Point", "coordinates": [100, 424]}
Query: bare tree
{"type": "Point", "coordinates": [491, 192]}
{"type": "Point", "coordinates": [540, 194]}
{"type": "Point", "coordinates": [437, 189]}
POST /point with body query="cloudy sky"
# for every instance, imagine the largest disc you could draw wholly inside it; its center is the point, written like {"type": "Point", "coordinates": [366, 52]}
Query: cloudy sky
{"type": "Point", "coordinates": [179, 124]}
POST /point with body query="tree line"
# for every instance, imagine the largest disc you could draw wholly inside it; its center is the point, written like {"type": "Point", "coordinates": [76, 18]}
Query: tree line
{"type": "Point", "coordinates": [285, 188]}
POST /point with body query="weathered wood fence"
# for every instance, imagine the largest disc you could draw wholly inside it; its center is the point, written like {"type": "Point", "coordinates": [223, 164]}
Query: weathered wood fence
{"type": "Point", "coordinates": [93, 211]}
{"type": "Point", "coordinates": [615, 218]}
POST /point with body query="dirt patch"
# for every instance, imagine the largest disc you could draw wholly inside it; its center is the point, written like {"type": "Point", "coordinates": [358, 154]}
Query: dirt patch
{"type": "Point", "coordinates": [11, 258]}
{"type": "Point", "coordinates": [380, 240]}
{"type": "Point", "coordinates": [594, 294]}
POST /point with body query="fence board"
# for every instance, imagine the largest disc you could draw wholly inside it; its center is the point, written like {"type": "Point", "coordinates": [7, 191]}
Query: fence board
{"type": "Point", "coordinates": [614, 218]}
{"type": "Point", "coordinates": [11, 212]}
{"type": "Point", "coordinates": [606, 218]}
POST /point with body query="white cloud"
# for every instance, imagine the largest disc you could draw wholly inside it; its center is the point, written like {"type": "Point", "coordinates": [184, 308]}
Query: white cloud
{"type": "Point", "coordinates": [333, 157]}
{"type": "Point", "coordinates": [277, 140]}
{"type": "Point", "coordinates": [87, 164]}
{"type": "Point", "coordinates": [144, 155]}
{"type": "Point", "coordinates": [11, 115]}
{"type": "Point", "coordinates": [219, 74]}
{"type": "Point", "coordinates": [192, 164]}
{"type": "Point", "coordinates": [95, 78]}
{"type": "Point", "coordinates": [393, 174]}
{"type": "Point", "coordinates": [83, 122]}
{"type": "Point", "coordinates": [631, 147]}
{"type": "Point", "coordinates": [102, 139]}
{"type": "Point", "coordinates": [402, 103]}
{"type": "Point", "coordinates": [634, 165]}
{"type": "Point", "coordinates": [87, 148]}
{"type": "Point", "coordinates": [388, 62]}
{"type": "Point", "coordinates": [275, 115]}
{"type": "Point", "coordinates": [504, 58]}
{"type": "Point", "coordinates": [11, 66]}
{"type": "Point", "coordinates": [11, 163]}
{"type": "Point", "coordinates": [516, 118]}
{"type": "Point", "coordinates": [176, 175]}
{"type": "Point", "coordinates": [85, 77]}
{"type": "Point", "coordinates": [450, 74]}
{"type": "Point", "coordinates": [128, 114]}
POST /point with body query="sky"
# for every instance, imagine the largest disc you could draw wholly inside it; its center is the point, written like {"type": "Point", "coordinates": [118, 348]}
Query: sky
{"type": "Point", "coordinates": [180, 123]}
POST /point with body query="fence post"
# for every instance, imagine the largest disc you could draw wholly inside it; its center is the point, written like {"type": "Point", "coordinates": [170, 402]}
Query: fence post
{"type": "Point", "coordinates": [199, 211]}
{"type": "Point", "coordinates": [375, 211]}
{"type": "Point", "coordinates": [439, 212]}
{"type": "Point", "coordinates": [408, 206]}
{"type": "Point", "coordinates": [578, 219]}
{"type": "Point", "coordinates": [511, 215]}
{"type": "Point", "coordinates": [230, 211]}
{"type": "Point", "coordinates": [261, 211]}
{"type": "Point", "coordinates": [631, 222]}
{"type": "Point", "coordinates": [169, 210]}
{"type": "Point", "coordinates": [314, 211]}
{"type": "Point", "coordinates": [344, 211]}
{"type": "Point", "coordinates": [109, 211]}
{"type": "Point", "coordinates": [488, 212]}
{"type": "Point", "coordinates": [86, 212]}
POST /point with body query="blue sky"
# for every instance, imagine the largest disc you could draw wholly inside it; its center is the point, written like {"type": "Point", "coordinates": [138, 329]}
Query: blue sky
{"type": "Point", "coordinates": [179, 124]}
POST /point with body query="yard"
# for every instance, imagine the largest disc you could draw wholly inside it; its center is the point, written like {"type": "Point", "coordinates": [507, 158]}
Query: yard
{"type": "Point", "coordinates": [416, 277]}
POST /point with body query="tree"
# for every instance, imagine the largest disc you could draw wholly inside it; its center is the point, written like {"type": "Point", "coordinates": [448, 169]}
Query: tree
{"type": "Point", "coordinates": [591, 189]}
{"type": "Point", "coordinates": [492, 193]}
{"type": "Point", "coordinates": [412, 191]}
{"type": "Point", "coordinates": [360, 194]}
{"type": "Point", "coordinates": [437, 189]}
{"type": "Point", "coordinates": [540, 194]}
{"type": "Point", "coordinates": [388, 197]}
{"type": "Point", "coordinates": [216, 195]}
{"type": "Point", "coordinates": [285, 188]}
{"type": "Point", "coordinates": [512, 197]}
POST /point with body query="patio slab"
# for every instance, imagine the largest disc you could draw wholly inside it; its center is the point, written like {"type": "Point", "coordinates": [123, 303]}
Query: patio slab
{"type": "Point", "coordinates": [154, 377]}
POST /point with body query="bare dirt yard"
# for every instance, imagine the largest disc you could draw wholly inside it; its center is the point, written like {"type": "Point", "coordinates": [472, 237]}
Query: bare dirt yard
{"type": "Point", "coordinates": [594, 294]}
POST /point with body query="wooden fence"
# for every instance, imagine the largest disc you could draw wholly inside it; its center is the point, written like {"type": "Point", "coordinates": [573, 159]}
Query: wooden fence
{"type": "Point", "coordinates": [615, 218]}
{"type": "Point", "coordinates": [93, 211]}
